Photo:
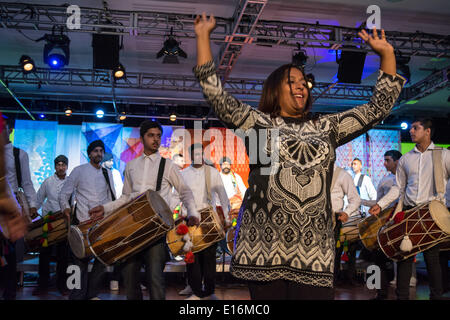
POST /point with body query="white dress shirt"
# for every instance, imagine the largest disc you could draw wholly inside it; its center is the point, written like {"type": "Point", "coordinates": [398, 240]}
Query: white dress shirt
{"type": "Point", "coordinates": [230, 188]}
{"type": "Point", "coordinates": [415, 176]}
{"type": "Point", "coordinates": [11, 174]}
{"type": "Point", "coordinates": [196, 180]}
{"type": "Point", "coordinates": [367, 191]}
{"type": "Point", "coordinates": [90, 188]}
{"type": "Point", "coordinates": [387, 193]}
{"type": "Point", "coordinates": [344, 187]}
{"type": "Point", "coordinates": [141, 175]}
{"type": "Point", "coordinates": [50, 190]}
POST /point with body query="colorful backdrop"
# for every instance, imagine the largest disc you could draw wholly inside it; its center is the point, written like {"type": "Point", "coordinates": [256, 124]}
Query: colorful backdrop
{"type": "Point", "coordinates": [44, 140]}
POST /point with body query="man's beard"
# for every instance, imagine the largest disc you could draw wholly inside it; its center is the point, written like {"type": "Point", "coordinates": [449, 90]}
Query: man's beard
{"type": "Point", "coordinates": [226, 171]}
{"type": "Point", "coordinates": [96, 160]}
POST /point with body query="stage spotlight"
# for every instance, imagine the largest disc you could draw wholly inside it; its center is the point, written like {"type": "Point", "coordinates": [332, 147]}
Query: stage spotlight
{"type": "Point", "coordinates": [100, 113]}
{"type": "Point", "coordinates": [171, 50]}
{"type": "Point", "coordinates": [122, 116]}
{"type": "Point", "coordinates": [27, 64]}
{"type": "Point", "coordinates": [402, 65]}
{"type": "Point", "coordinates": [56, 50]}
{"type": "Point", "coordinates": [404, 126]}
{"type": "Point", "coordinates": [299, 59]}
{"type": "Point", "coordinates": [42, 116]}
{"type": "Point", "coordinates": [68, 112]}
{"type": "Point", "coordinates": [119, 72]}
{"type": "Point", "coordinates": [173, 117]}
{"type": "Point", "coordinates": [310, 81]}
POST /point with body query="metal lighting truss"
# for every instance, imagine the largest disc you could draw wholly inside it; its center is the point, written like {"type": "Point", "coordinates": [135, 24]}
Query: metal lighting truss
{"type": "Point", "coordinates": [245, 19]}
{"type": "Point", "coordinates": [188, 83]}
{"type": "Point", "coordinates": [152, 81]}
{"type": "Point", "coordinates": [434, 82]}
{"type": "Point", "coordinates": [244, 26]}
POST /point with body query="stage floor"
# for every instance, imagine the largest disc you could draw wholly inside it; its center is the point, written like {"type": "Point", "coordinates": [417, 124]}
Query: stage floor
{"type": "Point", "coordinates": [227, 287]}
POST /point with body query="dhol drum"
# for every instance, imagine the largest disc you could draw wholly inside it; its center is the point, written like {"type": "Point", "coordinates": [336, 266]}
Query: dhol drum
{"type": "Point", "coordinates": [51, 229]}
{"type": "Point", "coordinates": [78, 240]}
{"type": "Point", "coordinates": [202, 236]}
{"type": "Point", "coordinates": [349, 230]}
{"type": "Point", "coordinates": [130, 228]}
{"type": "Point", "coordinates": [422, 227]}
{"type": "Point", "coordinates": [369, 226]}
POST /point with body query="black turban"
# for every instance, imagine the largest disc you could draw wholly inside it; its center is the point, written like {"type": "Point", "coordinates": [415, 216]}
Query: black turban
{"type": "Point", "coordinates": [61, 158]}
{"type": "Point", "coordinates": [95, 144]}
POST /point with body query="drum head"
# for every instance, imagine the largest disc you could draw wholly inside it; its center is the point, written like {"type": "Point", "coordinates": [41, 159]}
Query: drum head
{"type": "Point", "coordinates": [160, 207]}
{"type": "Point", "coordinates": [440, 215]}
{"type": "Point", "coordinates": [76, 242]}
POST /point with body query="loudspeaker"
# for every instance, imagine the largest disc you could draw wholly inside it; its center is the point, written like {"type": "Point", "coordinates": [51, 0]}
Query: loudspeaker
{"type": "Point", "coordinates": [105, 51]}
{"type": "Point", "coordinates": [351, 65]}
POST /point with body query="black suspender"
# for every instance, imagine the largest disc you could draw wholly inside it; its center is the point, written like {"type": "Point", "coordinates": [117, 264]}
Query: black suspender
{"type": "Point", "coordinates": [105, 174]}
{"type": "Point", "coordinates": [360, 181]}
{"type": "Point", "coordinates": [162, 164]}
{"type": "Point", "coordinates": [16, 152]}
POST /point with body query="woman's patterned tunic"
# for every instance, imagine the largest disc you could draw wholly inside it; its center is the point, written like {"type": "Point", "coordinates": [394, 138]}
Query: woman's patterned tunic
{"type": "Point", "coordinates": [286, 228]}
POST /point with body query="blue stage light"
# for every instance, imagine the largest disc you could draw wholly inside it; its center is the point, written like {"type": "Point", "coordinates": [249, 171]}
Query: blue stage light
{"type": "Point", "coordinates": [100, 113]}
{"type": "Point", "coordinates": [56, 61]}
{"type": "Point", "coordinates": [404, 126]}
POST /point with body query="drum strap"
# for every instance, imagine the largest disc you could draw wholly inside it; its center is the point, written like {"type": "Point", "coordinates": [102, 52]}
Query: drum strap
{"type": "Point", "coordinates": [208, 182]}
{"type": "Point", "coordinates": [360, 182]}
{"type": "Point", "coordinates": [105, 174]}
{"type": "Point", "coordinates": [438, 172]}
{"type": "Point", "coordinates": [162, 164]}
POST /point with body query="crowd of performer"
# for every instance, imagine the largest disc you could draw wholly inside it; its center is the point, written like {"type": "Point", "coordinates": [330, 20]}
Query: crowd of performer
{"type": "Point", "coordinates": [292, 227]}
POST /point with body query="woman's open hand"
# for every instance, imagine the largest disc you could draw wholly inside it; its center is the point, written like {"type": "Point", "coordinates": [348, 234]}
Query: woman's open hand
{"type": "Point", "coordinates": [380, 46]}
{"type": "Point", "coordinates": [204, 26]}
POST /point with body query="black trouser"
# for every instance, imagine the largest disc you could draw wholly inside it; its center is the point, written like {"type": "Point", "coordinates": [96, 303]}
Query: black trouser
{"type": "Point", "coordinates": [203, 269]}
{"type": "Point", "coordinates": [351, 263]}
{"type": "Point", "coordinates": [61, 265]}
{"type": "Point", "coordinates": [117, 272]}
{"type": "Point", "coordinates": [404, 272]}
{"type": "Point", "coordinates": [154, 258]}
{"type": "Point", "coordinates": [338, 251]}
{"type": "Point", "coordinates": [288, 290]}
{"type": "Point", "coordinates": [444, 256]}
{"type": "Point", "coordinates": [8, 273]}
{"type": "Point", "coordinates": [90, 281]}
{"type": "Point", "coordinates": [386, 272]}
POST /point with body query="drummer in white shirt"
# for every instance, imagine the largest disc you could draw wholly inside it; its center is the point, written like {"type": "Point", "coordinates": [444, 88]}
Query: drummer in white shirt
{"type": "Point", "coordinates": [343, 189]}
{"type": "Point", "coordinates": [387, 196]}
{"type": "Point", "coordinates": [141, 175]}
{"type": "Point", "coordinates": [49, 192]}
{"type": "Point", "coordinates": [231, 180]}
{"type": "Point", "coordinates": [203, 269]}
{"type": "Point", "coordinates": [363, 184]}
{"type": "Point", "coordinates": [415, 180]}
